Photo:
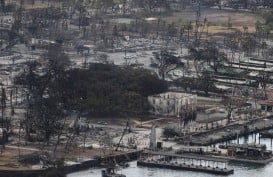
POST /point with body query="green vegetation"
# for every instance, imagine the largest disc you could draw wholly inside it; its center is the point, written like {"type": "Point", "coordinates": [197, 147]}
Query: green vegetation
{"type": "Point", "coordinates": [109, 90]}
{"type": "Point", "coordinates": [100, 90]}
{"type": "Point", "coordinates": [203, 83]}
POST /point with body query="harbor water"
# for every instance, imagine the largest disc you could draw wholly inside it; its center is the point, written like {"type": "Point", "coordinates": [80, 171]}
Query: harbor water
{"type": "Point", "coordinates": [240, 170]}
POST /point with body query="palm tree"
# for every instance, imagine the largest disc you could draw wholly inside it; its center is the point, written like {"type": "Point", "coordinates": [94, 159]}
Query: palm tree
{"type": "Point", "coordinates": [189, 28]}
{"type": "Point", "coordinates": [263, 47]}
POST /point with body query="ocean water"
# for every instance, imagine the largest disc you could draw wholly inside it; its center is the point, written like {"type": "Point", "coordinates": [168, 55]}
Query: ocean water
{"type": "Point", "coordinates": [240, 170]}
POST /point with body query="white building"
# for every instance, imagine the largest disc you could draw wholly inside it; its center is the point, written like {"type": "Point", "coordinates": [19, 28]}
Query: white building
{"type": "Point", "coordinates": [173, 103]}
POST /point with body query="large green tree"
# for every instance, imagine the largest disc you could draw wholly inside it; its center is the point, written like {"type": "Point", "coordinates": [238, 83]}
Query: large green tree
{"type": "Point", "coordinates": [103, 90]}
{"type": "Point", "coordinates": [100, 90]}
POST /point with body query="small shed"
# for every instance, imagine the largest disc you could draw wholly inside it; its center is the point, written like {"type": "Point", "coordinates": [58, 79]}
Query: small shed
{"type": "Point", "coordinates": [231, 152]}
{"type": "Point", "coordinates": [266, 105]}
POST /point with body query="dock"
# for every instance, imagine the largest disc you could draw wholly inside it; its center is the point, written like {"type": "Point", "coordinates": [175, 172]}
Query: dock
{"type": "Point", "coordinates": [229, 132]}
{"type": "Point", "coordinates": [266, 134]}
{"type": "Point", "coordinates": [184, 162]}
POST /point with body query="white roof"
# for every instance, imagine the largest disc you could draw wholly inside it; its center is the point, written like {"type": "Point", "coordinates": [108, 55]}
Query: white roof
{"type": "Point", "coordinates": [151, 19]}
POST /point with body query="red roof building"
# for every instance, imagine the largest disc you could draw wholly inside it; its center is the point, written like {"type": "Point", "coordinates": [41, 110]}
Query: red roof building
{"type": "Point", "coordinates": [266, 105]}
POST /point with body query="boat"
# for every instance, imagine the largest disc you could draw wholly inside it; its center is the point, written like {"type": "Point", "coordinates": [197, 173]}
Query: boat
{"type": "Point", "coordinates": [124, 164]}
{"type": "Point", "coordinates": [266, 134]}
{"type": "Point", "coordinates": [111, 172]}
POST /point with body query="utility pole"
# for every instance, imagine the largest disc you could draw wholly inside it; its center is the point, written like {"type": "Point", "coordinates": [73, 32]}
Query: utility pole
{"type": "Point", "coordinates": [153, 137]}
{"type": "Point", "coordinates": [3, 104]}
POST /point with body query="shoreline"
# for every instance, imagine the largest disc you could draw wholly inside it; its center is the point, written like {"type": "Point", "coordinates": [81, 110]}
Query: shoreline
{"type": "Point", "coordinates": [126, 156]}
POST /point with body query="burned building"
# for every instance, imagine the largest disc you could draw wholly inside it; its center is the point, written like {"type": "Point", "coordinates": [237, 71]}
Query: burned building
{"type": "Point", "coordinates": [173, 104]}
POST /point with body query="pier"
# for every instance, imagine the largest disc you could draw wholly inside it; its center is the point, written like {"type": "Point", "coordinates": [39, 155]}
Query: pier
{"type": "Point", "coordinates": [229, 132]}
{"type": "Point", "coordinates": [184, 162]}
